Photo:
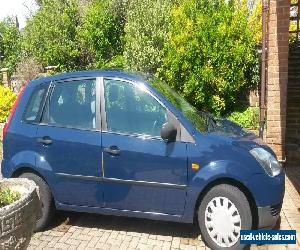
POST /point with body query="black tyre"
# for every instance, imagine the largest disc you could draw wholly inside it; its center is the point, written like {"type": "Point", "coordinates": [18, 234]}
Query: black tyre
{"type": "Point", "coordinates": [223, 212]}
{"type": "Point", "coordinates": [46, 199]}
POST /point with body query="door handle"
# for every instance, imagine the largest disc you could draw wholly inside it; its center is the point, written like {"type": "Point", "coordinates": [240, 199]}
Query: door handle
{"type": "Point", "coordinates": [112, 150]}
{"type": "Point", "coordinates": [46, 140]}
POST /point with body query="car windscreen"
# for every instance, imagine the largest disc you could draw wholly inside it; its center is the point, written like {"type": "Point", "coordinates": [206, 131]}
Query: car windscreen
{"type": "Point", "coordinates": [202, 121]}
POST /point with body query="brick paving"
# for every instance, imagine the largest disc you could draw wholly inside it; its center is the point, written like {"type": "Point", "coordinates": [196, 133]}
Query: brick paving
{"type": "Point", "coordinates": [89, 231]}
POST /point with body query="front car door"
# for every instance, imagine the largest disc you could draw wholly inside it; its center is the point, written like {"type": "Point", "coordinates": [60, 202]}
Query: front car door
{"type": "Point", "coordinates": [141, 172]}
{"type": "Point", "coordinates": [69, 142]}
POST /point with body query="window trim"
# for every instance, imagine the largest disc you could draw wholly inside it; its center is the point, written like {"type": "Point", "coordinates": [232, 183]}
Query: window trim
{"type": "Point", "coordinates": [49, 94]}
{"type": "Point", "coordinates": [170, 116]}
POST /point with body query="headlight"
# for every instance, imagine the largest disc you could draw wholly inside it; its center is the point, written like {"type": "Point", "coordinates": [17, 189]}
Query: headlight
{"type": "Point", "coordinates": [267, 161]}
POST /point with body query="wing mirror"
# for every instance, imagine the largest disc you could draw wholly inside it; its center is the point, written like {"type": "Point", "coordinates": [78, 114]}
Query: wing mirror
{"type": "Point", "coordinates": [168, 132]}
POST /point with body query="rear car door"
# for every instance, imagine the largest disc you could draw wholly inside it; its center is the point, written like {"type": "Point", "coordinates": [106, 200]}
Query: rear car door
{"type": "Point", "coordinates": [69, 142]}
{"type": "Point", "coordinates": [20, 141]}
{"type": "Point", "coordinates": [141, 171]}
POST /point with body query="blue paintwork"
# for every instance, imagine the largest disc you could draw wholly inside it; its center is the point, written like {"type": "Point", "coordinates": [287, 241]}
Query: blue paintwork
{"type": "Point", "coordinates": [151, 160]}
{"type": "Point", "coordinates": [78, 152]}
{"type": "Point", "coordinates": [73, 152]}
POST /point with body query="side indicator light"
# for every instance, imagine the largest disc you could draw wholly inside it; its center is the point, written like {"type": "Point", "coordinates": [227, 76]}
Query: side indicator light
{"type": "Point", "coordinates": [195, 166]}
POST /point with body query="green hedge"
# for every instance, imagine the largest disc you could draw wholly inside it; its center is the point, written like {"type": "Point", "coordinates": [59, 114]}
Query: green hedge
{"type": "Point", "coordinates": [210, 54]}
{"type": "Point", "coordinates": [248, 118]}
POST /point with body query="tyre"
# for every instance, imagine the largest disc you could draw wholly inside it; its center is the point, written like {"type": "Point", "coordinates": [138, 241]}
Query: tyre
{"type": "Point", "coordinates": [46, 199]}
{"type": "Point", "coordinates": [223, 212]}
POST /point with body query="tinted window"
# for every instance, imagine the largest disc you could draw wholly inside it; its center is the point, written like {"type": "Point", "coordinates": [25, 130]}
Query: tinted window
{"type": "Point", "coordinates": [132, 110]}
{"type": "Point", "coordinates": [72, 104]}
{"type": "Point", "coordinates": [34, 106]}
{"type": "Point", "coordinates": [201, 120]}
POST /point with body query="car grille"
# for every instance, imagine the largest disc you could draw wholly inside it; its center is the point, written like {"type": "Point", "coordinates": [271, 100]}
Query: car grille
{"type": "Point", "coordinates": [275, 210]}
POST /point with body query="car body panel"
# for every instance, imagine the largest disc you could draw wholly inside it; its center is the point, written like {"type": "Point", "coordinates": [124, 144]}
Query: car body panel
{"type": "Point", "coordinates": [73, 154]}
{"type": "Point", "coordinates": [155, 171]}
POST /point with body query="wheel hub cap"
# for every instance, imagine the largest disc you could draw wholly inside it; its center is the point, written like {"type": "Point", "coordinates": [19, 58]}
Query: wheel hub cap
{"type": "Point", "coordinates": [223, 221]}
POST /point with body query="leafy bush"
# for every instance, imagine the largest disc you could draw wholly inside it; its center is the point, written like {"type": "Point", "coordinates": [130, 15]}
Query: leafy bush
{"type": "Point", "coordinates": [76, 34]}
{"type": "Point", "coordinates": [248, 118]}
{"type": "Point", "coordinates": [101, 33]}
{"type": "Point", "coordinates": [146, 32]}
{"type": "Point", "coordinates": [210, 53]}
{"type": "Point", "coordinates": [8, 196]}
{"type": "Point", "coordinates": [27, 69]}
{"type": "Point", "coordinates": [50, 35]}
{"type": "Point", "coordinates": [255, 21]}
{"type": "Point", "coordinates": [10, 44]}
{"type": "Point", "coordinates": [7, 99]}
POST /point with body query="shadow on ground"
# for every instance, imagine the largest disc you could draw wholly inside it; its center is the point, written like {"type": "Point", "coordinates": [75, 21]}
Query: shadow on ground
{"type": "Point", "coordinates": [293, 173]}
{"type": "Point", "coordinates": [64, 220]}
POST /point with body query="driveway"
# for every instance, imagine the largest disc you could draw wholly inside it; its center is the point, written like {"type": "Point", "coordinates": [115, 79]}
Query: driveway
{"type": "Point", "coordinates": [88, 231]}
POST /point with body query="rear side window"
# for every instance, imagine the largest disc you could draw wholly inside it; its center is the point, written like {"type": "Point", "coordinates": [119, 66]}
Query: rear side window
{"type": "Point", "coordinates": [72, 104]}
{"type": "Point", "coordinates": [34, 107]}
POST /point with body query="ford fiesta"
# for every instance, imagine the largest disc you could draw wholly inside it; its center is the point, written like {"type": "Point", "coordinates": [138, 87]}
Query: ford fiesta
{"type": "Point", "coordinates": [113, 143]}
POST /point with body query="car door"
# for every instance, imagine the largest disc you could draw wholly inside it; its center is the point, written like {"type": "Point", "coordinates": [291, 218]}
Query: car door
{"type": "Point", "coordinates": [141, 171]}
{"type": "Point", "coordinates": [69, 142]}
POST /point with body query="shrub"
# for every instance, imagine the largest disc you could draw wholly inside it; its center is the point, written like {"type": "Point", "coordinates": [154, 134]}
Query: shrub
{"type": "Point", "coordinates": [248, 118]}
{"type": "Point", "coordinates": [7, 99]}
{"type": "Point", "coordinates": [8, 196]}
{"type": "Point", "coordinates": [101, 33]}
{"type": "Point", "coordinates": [27, 69]}
{"type": "Point", "coordinates": [10, 44]}
{"type": "Point", "coordinates": [210, 53]}
{"type": "Point", "coordinates": [146, 32]}
{"type": "Point", "coordinates": [50, 34]}
{"type": "Point", "coordinates": [255, 20]}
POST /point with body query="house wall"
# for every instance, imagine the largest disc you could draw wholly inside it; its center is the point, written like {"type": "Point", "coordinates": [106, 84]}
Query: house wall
{"type": "Point", "coordinates": [277, 75]}
{"type": "Point", "coordinates": [293, 108]}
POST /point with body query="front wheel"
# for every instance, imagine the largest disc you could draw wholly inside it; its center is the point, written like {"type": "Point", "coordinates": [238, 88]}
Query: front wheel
{"type": "Point", "coordinates": [223, 212]}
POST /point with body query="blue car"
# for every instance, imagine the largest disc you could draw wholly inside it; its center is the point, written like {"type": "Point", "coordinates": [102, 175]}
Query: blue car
{"type": "Point", "coordinates": [115, 143]}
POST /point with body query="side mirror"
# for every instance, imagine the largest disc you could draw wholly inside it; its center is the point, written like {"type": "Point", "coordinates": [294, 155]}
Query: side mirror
{"type": "Point", "coordinates": [168, 132]}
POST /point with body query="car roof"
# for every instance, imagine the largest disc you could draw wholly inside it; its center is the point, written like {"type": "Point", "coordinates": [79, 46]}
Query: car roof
{"type": "Point", "coordinates": [90, 73]}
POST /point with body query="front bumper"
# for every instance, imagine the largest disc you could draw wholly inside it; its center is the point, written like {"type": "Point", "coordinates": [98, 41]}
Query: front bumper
{"type": "Point", "coordinates": [268, 216]}
{"type": "Point", "coordinates": [266, 190]}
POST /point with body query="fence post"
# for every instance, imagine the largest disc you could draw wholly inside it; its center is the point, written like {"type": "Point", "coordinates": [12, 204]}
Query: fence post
{"type": "Point", "coordinates": [5, 77]}
{"type": "Point", "coordinates": [50, 69]}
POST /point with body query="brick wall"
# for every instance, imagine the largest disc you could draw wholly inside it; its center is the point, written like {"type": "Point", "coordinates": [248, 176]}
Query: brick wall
{"type": "Point", "coordinates": [293, 108]}
{"type": "Point", "coordinates": [277, 74]}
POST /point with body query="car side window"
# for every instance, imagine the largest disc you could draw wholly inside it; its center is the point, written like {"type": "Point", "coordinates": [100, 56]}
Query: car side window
{"type": "Point", "coordinates": [132, 110]}
{"type": "Point", "coordinates": [34, 106]}
{"type": "Point", "coordinates": [72, 104]}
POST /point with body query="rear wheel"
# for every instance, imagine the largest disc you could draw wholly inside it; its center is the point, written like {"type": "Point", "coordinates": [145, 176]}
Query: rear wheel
{"type": "Point", "coordinates": [46, 199]}
{"type": "Point", "coordinates": [223, 212]}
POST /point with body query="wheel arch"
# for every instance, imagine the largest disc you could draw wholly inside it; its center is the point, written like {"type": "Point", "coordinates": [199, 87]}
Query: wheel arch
{"type": "Point", "coordinates": [233, 182]}
{"type": "Point", "coordinates": [25, 169]}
